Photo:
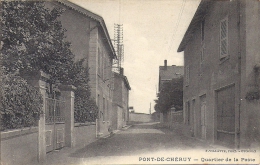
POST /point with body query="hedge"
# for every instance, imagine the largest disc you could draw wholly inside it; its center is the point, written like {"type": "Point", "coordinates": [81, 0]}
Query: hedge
{"type": "Point", "coordinates": [21, 103]}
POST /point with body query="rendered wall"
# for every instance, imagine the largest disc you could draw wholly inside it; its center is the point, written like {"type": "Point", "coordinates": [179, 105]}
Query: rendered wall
{"type": "Point", "coordinates": [19, 147]}
{"type": "Point", "coordinates": [210, 74]}
{"type": "Point", "coordinates": [84, 135]}
{"type": "Point", "coordinates": [250, 80]}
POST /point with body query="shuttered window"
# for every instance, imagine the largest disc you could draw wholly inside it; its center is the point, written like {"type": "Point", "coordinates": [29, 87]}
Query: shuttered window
{"type": "Point", "coordinates": [223, 38]}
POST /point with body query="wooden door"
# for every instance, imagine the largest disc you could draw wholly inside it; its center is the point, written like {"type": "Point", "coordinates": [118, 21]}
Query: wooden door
{"type": "Point", "coordinates": [203, 111]}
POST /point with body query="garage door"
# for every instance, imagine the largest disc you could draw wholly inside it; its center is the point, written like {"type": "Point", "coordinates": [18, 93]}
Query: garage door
{"type": "Point", "coordinates": [226, 116]}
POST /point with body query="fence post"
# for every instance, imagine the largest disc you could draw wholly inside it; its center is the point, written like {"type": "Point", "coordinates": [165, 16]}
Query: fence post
{"type": "Point", "coordinates": [38, 80]}
{"type": "Point", "coordinates": [67, 92]}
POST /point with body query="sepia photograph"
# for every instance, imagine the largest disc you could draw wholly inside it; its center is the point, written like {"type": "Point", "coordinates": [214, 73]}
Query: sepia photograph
{"type": "Point", "coordinates": [129, 82]}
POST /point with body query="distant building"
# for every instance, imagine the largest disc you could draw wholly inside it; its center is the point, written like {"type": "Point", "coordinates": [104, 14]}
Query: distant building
{"type": "Point", "coordinates": [222, 64]}
{"type": "Point", "coordinates": [167, 73]}
{"type": "Point", "coordinates": [89, 38]}
{"type": "Point", "coordinates": [120, 112]}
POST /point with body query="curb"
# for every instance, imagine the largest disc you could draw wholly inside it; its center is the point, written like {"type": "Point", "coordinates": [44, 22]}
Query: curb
{"type": "Point", "coordinates": [122, 129]}
{"type": "Point", "coordinates": [126, 127]}
{"type": "Point", "coordinates": [115, 132]}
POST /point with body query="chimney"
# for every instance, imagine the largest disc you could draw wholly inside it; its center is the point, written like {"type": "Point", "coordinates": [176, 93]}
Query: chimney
{"type": "Point", "coordinates": [165, 64]}
{"type": "Point", "coordinates": [122, 71]}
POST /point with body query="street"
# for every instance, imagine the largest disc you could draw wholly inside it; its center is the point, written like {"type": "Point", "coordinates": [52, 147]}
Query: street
{"type": "Point", "coordinates": [136, 144]}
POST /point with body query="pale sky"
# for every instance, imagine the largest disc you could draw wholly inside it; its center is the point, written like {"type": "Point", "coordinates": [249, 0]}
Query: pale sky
{"type": "Point", "coordinates": [153, 30]}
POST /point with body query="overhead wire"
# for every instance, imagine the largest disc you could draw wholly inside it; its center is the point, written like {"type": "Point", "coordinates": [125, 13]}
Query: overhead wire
{"type": "Point", "coordinates": [176, 26]}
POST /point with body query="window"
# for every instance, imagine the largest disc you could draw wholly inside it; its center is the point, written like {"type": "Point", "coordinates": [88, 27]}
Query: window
{"type": "Point", "coordinates": [223, 38]}
{"type": "Point", "coordinates": [187, 75]}
{"type": "Point", "coordinates": [188, 113]}
{"type": "Point", "coordinates": [98, 105]}
{"type": "Point", "coordinates": [101, 65]}
{"type": "Point", "coordinates": [99, 62]}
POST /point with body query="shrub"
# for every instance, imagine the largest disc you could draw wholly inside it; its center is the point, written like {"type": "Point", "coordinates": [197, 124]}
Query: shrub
{"type": "Point", "coordinates": [21, 103]}
{"type": "Point", "coordinates": [85, 107]}
{"type": "Point", "coordinates": [171, 95]}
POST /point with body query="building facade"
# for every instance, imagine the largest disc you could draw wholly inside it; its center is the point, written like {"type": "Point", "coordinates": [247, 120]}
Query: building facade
{"type": "Point", "coordinates": [167, 73]}
{"type": "Point", "coordinates": [221, 77]}
{"type": "Point", "coordinates": [89, 39]}
{"type": "Point", "coordinates": [120, 112]}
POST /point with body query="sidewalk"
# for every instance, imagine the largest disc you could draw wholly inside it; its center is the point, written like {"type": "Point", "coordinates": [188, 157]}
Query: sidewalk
{"type": "Point", "coordinates": [185, 130]}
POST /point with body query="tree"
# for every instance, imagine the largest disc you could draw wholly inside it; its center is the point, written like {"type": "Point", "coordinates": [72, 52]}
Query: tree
{"type": "Point", "coordinates": [33, 39]}
{"type": "Point", "coordinates": [21, 104]}
{"type": "Point", "coordinates": [85, 107]}
{"type": "Point", "coordinates": [171, 95]}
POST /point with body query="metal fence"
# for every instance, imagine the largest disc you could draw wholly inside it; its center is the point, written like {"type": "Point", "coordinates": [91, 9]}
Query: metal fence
{"type": "Point", "coordinates": [54, 111]}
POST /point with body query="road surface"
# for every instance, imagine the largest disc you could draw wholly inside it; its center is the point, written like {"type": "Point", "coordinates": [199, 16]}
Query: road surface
{"type": "Point", "coordinates": [141, 143]}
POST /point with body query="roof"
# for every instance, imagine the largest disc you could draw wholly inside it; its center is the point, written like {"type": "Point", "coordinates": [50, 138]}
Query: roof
{"type": "Point", "coordinates": [92, 16]}
{"type": "Point", "coordinates": [197, 18]}
{"type": "Point", "coordinates": [127, 83]}
{"type": "Point", "coordinates": [171, 72]}
{"type": "Point", "coordinates": [125, 80]}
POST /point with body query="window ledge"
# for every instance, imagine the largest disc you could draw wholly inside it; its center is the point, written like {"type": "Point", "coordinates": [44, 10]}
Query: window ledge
{"type": "Point", "coordinates": [223, 59]}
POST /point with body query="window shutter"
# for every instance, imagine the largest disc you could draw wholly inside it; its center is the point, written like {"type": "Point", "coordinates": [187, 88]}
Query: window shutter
{"type": "Point", "coordinates": [223, 38]}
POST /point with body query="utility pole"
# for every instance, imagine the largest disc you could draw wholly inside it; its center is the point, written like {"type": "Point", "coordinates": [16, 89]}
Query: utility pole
{"type": "Point", "coordinates": [150, 110]}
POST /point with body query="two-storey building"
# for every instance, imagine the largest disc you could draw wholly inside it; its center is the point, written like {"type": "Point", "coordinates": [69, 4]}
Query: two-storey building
{"type": "Point", "coordinates": [221, 77]}
{"type": "Point", "coordinates": [167, 73]}
{"type": "Point", "coordinates": [89, 38]}
{"type": "Point", "coordinates": [120, 112]}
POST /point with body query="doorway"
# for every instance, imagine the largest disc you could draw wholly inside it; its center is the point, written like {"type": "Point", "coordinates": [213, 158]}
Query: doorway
{"type": "Point", "coordinates": [203, 111]}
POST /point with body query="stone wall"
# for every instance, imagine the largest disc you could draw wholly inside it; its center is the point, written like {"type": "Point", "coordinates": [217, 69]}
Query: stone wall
{"type": "Point", "coordinates": [140, 117]}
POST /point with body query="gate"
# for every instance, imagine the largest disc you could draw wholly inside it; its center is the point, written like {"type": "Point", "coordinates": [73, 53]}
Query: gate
{"type": "Point", "coordinates": [226, 116]}
{"type": "Point", "coordinates": [55, 124]}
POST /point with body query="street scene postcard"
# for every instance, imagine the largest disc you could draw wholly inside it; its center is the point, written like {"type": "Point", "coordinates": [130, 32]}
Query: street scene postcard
{"type": "Point", "coordinates": [130, 82]}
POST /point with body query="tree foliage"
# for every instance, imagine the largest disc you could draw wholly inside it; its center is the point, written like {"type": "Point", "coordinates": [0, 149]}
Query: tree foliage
{"type": "Point", "coordinates": [33, 39]}
{"type": "Point", "coordinates": [171, 95]}
{"type": "Point", "coordinates": [85, 106]}
{"type": "Point", "coordinates": [21, 103]}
